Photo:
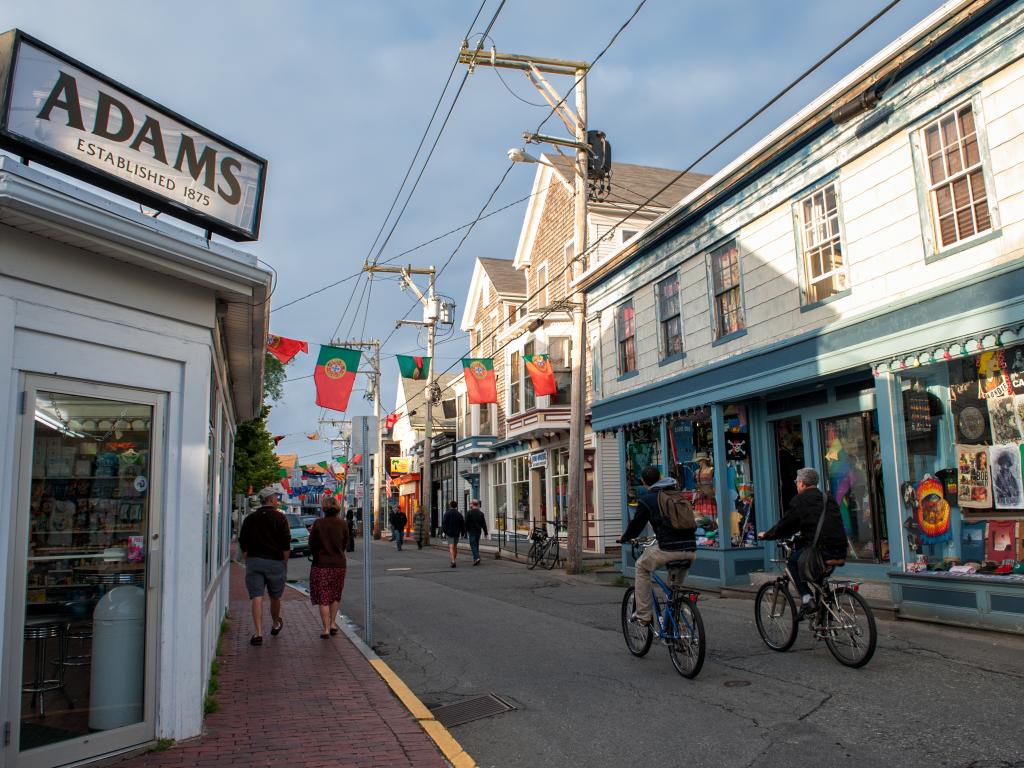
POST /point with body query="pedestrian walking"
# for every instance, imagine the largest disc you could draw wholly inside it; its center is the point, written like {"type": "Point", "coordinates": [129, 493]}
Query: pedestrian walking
{"type": "Point", "coordinates": [475, 525]}
{"type": "Point", "coordinates": [350, 519]}
{"type": "Point", "coordinates": [328, 541]}
{"type": "Point", "coordinates": [265, 541]}
{"type": "Point", "coordinates": [419, 527]}
{"type": "Point", "coordinates": [454, 525]}
{"type": "Point", "coordinates": [398, 521]}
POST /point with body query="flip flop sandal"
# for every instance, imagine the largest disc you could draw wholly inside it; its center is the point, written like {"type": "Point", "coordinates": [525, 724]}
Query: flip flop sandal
{"type": "Point", "coordinates": [325, 637]}
{"type": "Point", "coordinates": [334, 630]}
{"type": "Point", "coordinates": [256, 640]}
{"type": "Point", "coordinates": [278, 626]}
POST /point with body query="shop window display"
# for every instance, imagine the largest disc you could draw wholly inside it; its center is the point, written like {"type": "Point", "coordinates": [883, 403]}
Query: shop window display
{"type": "Point", "coordinates": [964, 437]}
{"type": "Point", "coordinates": [643, 448]}
{"type": "Point", "coordinates": [691, 451]}
{"type": "Point", "coordinates": [740, 501]}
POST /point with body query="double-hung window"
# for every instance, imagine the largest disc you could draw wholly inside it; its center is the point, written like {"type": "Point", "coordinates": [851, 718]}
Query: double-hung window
{"type": "Point", "coordinates": [725, 278]}
{"type": "Point", "coordinates": [956, 181]}
{"type": "Point", "coordinates": [514, 379]}
{"type": "Point", "coordinates": [825, 272]}
{"type": "Point", "coordinates": [625, 332]}
{"type": "Point", "coordinates": [670, 327]}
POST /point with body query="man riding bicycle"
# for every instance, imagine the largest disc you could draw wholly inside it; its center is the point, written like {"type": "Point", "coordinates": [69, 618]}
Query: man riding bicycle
{"type": "Point", "coordinates": [805, 509]}
{"type": "Point", "coordinates": [672, 543]}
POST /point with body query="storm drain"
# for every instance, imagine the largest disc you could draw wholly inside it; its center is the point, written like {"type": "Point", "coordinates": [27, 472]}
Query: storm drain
{"type": "Point", "coordinates": [471, 709]}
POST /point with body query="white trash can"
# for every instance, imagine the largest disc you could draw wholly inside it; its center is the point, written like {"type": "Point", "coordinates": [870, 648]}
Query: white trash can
{"type": "Point", "coordinates": [118, 658]}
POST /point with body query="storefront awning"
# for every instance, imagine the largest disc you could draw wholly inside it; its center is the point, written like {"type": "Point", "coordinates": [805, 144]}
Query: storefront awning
{"type": "Point", "coordinates": [959, 348]}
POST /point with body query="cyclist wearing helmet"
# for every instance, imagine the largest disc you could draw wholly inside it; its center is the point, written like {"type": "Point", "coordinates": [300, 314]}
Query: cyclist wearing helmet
{"type": "Point", "coordinates": [672, 543]}
{"type": "Point", "coordinates": [802, 517]}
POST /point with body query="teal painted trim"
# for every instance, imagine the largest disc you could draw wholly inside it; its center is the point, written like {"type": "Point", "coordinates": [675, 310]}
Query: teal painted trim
{"type": "Point", "coordinates": [891, 442]}
{"type": "Point", "coordinates": [721, 474]}
{"type": "Point", "coordinates": [815, 185]}
{"type": "Point", "coordinates": [624, 553]}
{"type": "Point", "coordinates": [628, 375]}
{"type": "Point", "coordinates": [729, 337]}
{"type": "Point", "coordinates": [666, 460]}
{"type": "Point", "coordinates": [995, 297]}
{"type": "Point", "coordinates": [823, 302]}
{"type": "Point", "coordinates": [763, 471]}
{"type": "Point", "coordinates": [671, 359]}
{"type": "Point", "coordinates": [963, 245]}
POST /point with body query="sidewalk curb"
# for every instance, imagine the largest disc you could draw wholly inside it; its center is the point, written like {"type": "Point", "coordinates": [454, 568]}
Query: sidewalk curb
{"type": "Point", "coordinates": [442, 738]}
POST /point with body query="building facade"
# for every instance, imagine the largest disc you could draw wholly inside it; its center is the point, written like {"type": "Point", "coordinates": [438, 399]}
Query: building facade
{"type": "Point", "coordinates": [846, 295]}
{"type": "Point", "coordinates": [133, 349]}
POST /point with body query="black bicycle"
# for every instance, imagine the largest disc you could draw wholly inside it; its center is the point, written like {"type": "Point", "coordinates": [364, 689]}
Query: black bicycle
{"type": "Point", "coordinates": [843, 619]}
{"type": "Point", "coordinates": [544, 548]}
{"type": "Point", "coordinates": [677, 619]}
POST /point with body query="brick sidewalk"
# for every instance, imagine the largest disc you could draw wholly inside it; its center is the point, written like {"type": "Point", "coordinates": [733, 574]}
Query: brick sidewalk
{"type": "Point", "coordinates": [299, 701]}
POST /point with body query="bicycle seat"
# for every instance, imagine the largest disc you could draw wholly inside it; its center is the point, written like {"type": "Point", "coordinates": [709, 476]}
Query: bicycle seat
{"type": "Point", "coordinates": [679, 563]}
{"type": "Point", "coordinates": [835, 563]}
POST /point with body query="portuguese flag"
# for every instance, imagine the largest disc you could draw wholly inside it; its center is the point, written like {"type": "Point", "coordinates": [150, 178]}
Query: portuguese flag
{"type": "Point", "coordinates": [480, 385]}
{"type": "Point", "coordinates": [285, 349]}
{"type": "Point", "coordinates": [539, 367]}
{"type": "Point", "coordinates": [334, 375]}
{"type": "Point", "coordinates": [413, 367]}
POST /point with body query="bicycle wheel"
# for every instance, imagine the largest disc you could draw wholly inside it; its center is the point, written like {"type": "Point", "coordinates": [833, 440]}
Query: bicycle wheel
{"type": "Point", "coordinates": [551, 554]}
{"type": "Point", "coordinates": [687, 649]}
{"type": "Point", "coordinates": [534, 554]}
{"type": "Point", "coordinates": [775, 613]}
{"type": "Point", "coordinates": [850, 628]}
{"type": "Point", "coordinates": [638, 638]}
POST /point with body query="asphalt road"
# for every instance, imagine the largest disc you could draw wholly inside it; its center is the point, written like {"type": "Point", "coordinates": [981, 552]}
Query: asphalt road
{"type": "Point", "coordinates": [552, 645]}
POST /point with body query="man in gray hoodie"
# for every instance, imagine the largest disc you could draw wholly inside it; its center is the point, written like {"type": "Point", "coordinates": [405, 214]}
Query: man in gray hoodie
{"type": "Point", "coordinates": [672, 543]}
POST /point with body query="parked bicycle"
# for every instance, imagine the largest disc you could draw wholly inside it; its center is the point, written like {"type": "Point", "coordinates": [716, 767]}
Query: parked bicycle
{"type": "Point", "coordinates": [677, 619]}
{"type": "Point", "coordinates": [544, 548]}
{"type": "Point", "coordinates": [843, 619]}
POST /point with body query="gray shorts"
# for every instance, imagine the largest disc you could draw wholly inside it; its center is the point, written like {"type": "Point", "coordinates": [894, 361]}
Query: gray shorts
{"type": "Point", "coordinates": [261, 572]}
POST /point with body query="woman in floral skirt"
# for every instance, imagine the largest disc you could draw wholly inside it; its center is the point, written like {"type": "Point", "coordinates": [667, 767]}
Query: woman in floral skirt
{"type": "Point", "coordinates": [328, 540]}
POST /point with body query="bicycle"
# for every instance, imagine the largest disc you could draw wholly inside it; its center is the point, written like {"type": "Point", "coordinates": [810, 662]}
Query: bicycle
{"type": "Point", "coordinates": [544, 548]}
{"type": "Point", "coordinates": [843, 619]}
{"type": "Point", "coordinates": [679, 623]}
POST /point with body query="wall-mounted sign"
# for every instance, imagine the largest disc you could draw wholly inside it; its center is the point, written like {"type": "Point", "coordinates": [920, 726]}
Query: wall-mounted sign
{"type": "Point", "coordinates": [400, 465]}
{"type": "Point", "coordinates": [538, 460]}
{"type": "Point", "coordinates": [65, 115]}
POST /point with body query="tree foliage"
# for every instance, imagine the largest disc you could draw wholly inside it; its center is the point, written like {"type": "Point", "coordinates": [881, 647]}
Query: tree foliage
{"type": "Point", "coordinates": [255, 462]}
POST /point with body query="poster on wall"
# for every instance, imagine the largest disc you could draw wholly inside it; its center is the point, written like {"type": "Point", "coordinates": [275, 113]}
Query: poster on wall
{"type": "Point", "coordinates": [972, 542]}
{"type": "Point", "coordinates": [1005, 461]}
{"type": "Point", "coordinates": [1002, 415]}
{"type": "Point", "coordinates": [973, 480]}
{"type": "Point", "coordinates": [1000, 540]}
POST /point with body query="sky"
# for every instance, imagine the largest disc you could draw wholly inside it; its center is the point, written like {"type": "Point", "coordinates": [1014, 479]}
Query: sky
{"type": "Point", "coordinates": [336, 95]}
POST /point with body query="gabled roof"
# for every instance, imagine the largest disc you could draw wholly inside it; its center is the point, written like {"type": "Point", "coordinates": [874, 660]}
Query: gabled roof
{"type": "Point", "coordinates": [410, 399]}
{"type": "Point", "coordinates": [631, 187]}
{"type": "Point", "coordinates": [507, 281]}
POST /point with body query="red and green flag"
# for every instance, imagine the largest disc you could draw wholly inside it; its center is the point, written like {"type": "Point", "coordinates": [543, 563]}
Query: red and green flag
{"type": "Point", "coordinates": [285, 349]}
{"type": "Point", "coordinates": [543, 376]}
{"type": "Point", "coordinates": [480, 385]}
{"type": "Point", "coordinates": [413, 367]}
{"type": "Point", "coordinates": [334, 375]}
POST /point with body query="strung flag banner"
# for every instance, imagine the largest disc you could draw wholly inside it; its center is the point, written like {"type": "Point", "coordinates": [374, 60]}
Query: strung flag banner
{"type": "Point", "coordinates": [480, 385]}
{"type": "Point", "coordinates": [285, 349]}
{"type": "Point", "coordinates": [314, 436]}
{"type": "Point", "coordinates": [356, 459]}
{"type": "Point", "coordinates": [334, 375]}
{"type": "Point", "coordinates": [543, 376]}
{"type": "Point", "coordinates": [277, 439]}
{"type": "Point", "coordinates": [391, 419]}
{"type": "Point", "coordinates": [412, 367]}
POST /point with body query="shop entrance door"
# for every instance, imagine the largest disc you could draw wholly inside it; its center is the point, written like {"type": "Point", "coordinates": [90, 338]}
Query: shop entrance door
{"type": "Point", "coordinates": [851, 461]}
{"type": "Point", "coordinates": [80, 671]}
{"type": "Point", "coordinates": [789, 457]}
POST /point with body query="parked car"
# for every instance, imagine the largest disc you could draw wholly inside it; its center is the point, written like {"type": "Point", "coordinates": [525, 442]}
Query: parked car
{"type": "Point", "coordinates": [308, 520]}
{"type": "Point", "coordinates": [300, 534]}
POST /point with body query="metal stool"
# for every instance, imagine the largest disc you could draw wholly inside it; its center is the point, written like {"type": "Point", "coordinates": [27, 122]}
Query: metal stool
{"type": "Point", "coordinates": [81, 633]}
{"type": "Point", "coordinates": [40, 631]}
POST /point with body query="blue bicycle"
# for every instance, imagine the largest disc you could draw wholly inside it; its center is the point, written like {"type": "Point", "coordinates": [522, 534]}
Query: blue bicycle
{"type": "Point", "coordinates": [679, 623]}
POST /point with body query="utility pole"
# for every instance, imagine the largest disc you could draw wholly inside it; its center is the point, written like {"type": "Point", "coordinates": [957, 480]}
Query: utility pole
{"type": "Point", "coordinates": [535, 67]}
{"type": "Point", "coordinates": [431, 312]}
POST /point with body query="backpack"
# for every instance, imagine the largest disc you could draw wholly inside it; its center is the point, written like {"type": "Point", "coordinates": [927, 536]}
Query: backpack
{"type": "Point", "coordinates": [676, 512]}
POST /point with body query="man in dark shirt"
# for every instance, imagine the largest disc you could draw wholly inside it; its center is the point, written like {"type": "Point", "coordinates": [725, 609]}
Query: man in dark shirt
{"type": "Point", "coordinates": [265, 540]}
{"type": "Point", "coordinates": [398, 521]}
{"type": "Point", "coordinates": [805, 509]}
{"type": "Point", "coordinates": [672, 543]}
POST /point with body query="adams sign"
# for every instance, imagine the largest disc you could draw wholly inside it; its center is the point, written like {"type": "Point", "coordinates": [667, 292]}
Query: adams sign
{"type": "Point", "coordinates": [65, 115]}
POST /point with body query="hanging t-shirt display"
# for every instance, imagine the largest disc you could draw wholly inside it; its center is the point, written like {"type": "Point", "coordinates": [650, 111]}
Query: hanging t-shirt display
{"type": "Point", "coordinates": [1002, 416]}
{"type": "Point", "coordinates": [932, 511]}
{"type": "Point", "coordinates": [1000, 540]}
{"type": "Point", "coordinates": [972, 542]}
{"type": "Point", "coordinates": [1005, 461]}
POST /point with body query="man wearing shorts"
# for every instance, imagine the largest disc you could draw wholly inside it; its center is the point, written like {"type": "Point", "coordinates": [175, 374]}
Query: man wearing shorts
{"type": "Point", "coordinates": [265, 540]}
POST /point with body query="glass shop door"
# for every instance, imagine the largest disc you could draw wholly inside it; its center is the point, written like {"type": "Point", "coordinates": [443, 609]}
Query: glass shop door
{"type": "Point", "coordinates": [80, 671]}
